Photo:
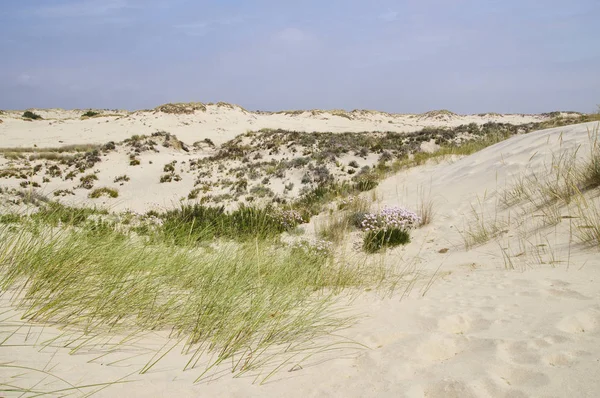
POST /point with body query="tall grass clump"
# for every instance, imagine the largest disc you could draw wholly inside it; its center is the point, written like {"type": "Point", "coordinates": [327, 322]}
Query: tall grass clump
{"type": "Point", "coordinates": [235, 304]}
{"type": "Point", "coordinates": [195, 223]}
{"type": "Point", "coordinates": [587, 229]}
{"type": "Point", "coordinates": [55, 214]}
{"type": "Point", "coordinates": [425, 209]}
{"type": "Point", "coordinates": [565, 189]}
{"type": "Point", "coordinates": [590, 174]}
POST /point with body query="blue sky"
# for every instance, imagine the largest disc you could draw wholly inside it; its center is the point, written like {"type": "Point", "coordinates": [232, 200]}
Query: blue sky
{"type": "Point", "coordinates": [468, 56]}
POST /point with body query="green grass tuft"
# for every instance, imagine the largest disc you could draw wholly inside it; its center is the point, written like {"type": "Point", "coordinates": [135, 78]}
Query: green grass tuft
{"type": "Point", "coordinates": [110, 192]}
{"type": "Point", "coordinates": [374, 241]}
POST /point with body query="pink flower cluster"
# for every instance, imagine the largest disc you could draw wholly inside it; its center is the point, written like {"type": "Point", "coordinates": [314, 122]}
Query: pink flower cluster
{"type": "Point", "coordinates": [318, 246]}
{"type": "Point", "coordinates": [289, 218]}
{"type": "Point", "coordinates": [390, 218]}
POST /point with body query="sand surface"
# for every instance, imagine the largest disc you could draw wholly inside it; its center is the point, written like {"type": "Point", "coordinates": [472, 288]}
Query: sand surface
{"type": "Point", "coordinates": [469, 327]}
{"type": "Point", "coordinates": [219, 123]}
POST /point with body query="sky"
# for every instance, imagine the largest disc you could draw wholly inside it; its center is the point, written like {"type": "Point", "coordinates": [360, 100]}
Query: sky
{"type": "Point", "coordinates": [468, 56]}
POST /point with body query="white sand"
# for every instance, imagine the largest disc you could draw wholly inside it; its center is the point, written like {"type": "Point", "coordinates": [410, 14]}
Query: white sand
{"type": "Point", "coordinates": [218, 123]}
{"type": "Point", "coordinates": [479, 330]}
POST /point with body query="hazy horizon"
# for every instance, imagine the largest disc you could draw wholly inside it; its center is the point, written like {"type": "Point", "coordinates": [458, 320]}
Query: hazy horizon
{"type": "Point", "coordinates": [401, 57]}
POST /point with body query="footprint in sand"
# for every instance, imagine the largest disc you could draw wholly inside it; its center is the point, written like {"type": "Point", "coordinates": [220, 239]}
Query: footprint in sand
{"type": "Point", "coordinates": [498, 388]}
{"type": "Point", "coordinates": [518, 352]}
{"type": "Point", "coordinates": [560, 359]}
{"type": "Point", "coordinates": [586, 321]}
{"type": "Point", "coordinates": [514, 376]}
{"type": "Point", "coordinates": [463, 323]}
{"type": "Point", "coordinates": [449, 388]}
{"type": "Point", "coordinates": [439, 348]}
{"type": "Point", "coordinates": [567, 293]}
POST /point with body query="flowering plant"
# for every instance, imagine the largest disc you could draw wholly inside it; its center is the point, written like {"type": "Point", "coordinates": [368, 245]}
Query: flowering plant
{"type": "Point", "coordinates": [390, 218]}
{"type": "Point", "coordinates": [289, 218]}
{"type": "Point", "coordinates": [388, 228]}
{"type": "Point", "coordinates": [318, 247]}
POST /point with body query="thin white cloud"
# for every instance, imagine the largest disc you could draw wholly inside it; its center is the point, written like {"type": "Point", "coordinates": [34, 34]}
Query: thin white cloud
{"type": "Point", "coordinates": [26, 80]}
{"type": "Point", "coordinates": [194, 29]}
{"type": "Point", "coordinates": [201, 28]}
{"type": "Point", "coordinates": [82, 8]}
{"type": "Point", "coordinates": [389, 16]}
{"type": "Point", "coordinates": [292, 35]}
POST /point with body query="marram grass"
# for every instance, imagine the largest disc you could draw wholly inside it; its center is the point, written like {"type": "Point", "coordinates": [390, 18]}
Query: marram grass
{"type": "Point", "coordinates": [225, 301]}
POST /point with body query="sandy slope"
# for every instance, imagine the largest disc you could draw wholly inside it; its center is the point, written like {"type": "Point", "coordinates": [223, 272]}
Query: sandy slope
{"type": "Point", "coordinates": [217, 123]}
{"type": "Point", "coordinates": [479, 331]}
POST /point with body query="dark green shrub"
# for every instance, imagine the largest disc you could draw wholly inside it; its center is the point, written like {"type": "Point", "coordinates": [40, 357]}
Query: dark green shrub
{"type": "Point", "coordinates": [87, 181]}
{"type": "Point", "coordinates": [31, 115]}
{"type": "Point", "coordinates": [374, 241]}
{"type": "Point", "coordinates": [110, 192]}
{"type": "Point", "coordinates": [90, 113]}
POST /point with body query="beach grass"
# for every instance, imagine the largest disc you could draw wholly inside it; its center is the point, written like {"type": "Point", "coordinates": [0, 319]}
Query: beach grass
{"type": "Point", "coordinates": [231, 300]}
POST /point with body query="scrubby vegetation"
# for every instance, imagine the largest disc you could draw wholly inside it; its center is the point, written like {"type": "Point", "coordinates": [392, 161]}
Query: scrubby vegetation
{"type": "Point", "coordinates": [122, 179]}
{"type": "Point", "coordinates": [566, 190]}
{"type": "Point", "coordinates": [31, 115]}
{"type": "Point", "coordinates": [195, 223]}
{"type": "Point", "coordinates": [388, 228]}
{"type": "Point", "coordinates": [238, 282]}
{"type": "Point", "coordinates": [244, 296]}
{"type": "Point", "coordinates": [90, 113]}
{"type": "Point", "coordinates": [110, 192]}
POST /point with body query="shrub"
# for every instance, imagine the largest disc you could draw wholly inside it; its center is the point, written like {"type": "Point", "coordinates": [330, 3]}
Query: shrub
{"type": "Point", "coordinates": [90, 113]}
{"type": "Point", "coordinates": [300, 162]}
{"type": "Point", "coordinates": [31, 115]}
{"type": "Point", "coordinates": [123, 178]}
{"type": "Point", "coordinates": [63, 192]}
{"type": "Point", "coordinates": [306, 179]}
{"type": "Point", "coordinates": [389, 228]}
{"type": "Point", "coordinates": [322, 175]}
{"type": "Point", "coordinates": [261, 191]}
{"type": "Point", "coordinates": [366, 182]}
{"type": "Point", "coordinates": [166, 178]}
{"type": "Point", "coordinates": [87, 181]}
{"type": "Point", "coordinates": [193, 194]}
{"type": "Point", "coordinates": [54, 171]}
{"type": "Point", "coordinates": [209, 142]}
{"type": "Point", "coordinates": [375, 240]}
{"type": "Point", "coordinates": [133, 161]}
{"type": "Point", "coordinates": [169, 167]}
{"type": "Point", "coordinates": [96, 193]}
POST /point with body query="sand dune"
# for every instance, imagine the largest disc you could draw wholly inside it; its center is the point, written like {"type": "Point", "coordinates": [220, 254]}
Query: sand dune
{"type": "Point", "coordinates": [219, 123]}
{"type": "Point", "coordinates": [469, 327]}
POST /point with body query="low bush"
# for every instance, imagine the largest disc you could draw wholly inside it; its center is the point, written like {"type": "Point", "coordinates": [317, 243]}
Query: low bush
{"type": "Point", "coordinates": [90, 113]}
{"type": "Point", "coordinates": [87, 181]}
{"type": "Point", "coordinates": [123, 178]}
{"type": "Point", "coordinates": [389, 228]}
{"type": "Point", "coordinates": [110, 192]}
{"type": "Point", "coordinates": [374, 241]}
{"type": "Point", "coordinates": [31, 115]}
